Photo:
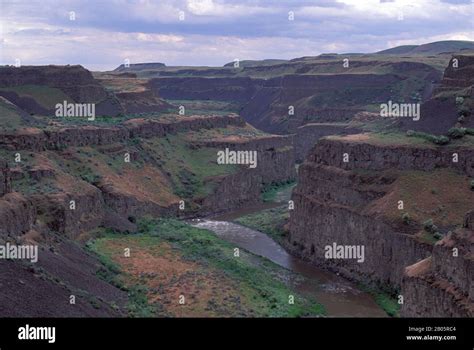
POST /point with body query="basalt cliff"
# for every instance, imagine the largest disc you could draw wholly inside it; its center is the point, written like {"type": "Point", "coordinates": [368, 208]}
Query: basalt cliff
{"type": "Point", "coordinates": [361, 191]}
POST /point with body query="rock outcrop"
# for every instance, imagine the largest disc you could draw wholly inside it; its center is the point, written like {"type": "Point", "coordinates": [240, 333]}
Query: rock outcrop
{"type": "Point", "coordinates": [197, 88]}
{"type": "Point", "coordinates": [307, 135]}
{"type": "Point", "coordinates": [331, 208]}
{"type": "Point", "coordinates": [335, 204]}
{"type": "Point", "coordinates": [458, 74]}
{"type": "Point", "coordinates": [39, 140]}
{"type": "Point", "coordinates": [451, 103]}
{"type": "Point", "coordinates": [443, 284]}
{"type": "Point", "coordinates": [17, 214]}
{"type": "Point", "coordinates": [373, 156]}
{"type": "Point", "coordinates": [71, 213]}
{"type": "Point", "coordinates": [75, 82]}
{"type": "Point", "coordinates": [141, 102]}
{"type": "Point", "coordinates": [275, 164]}
{"type": "Point", "coordinates": [139, 66]}
{"type": "Point", "coordinates": [5, 183]}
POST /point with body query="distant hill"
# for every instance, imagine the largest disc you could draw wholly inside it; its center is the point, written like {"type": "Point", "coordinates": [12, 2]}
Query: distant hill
{"type": "Point", "coordinates": [139, 66]}
{"type": "Point", "coordinates": [256, 63]}
{"type": "Point", "coordinates": [435, 48]}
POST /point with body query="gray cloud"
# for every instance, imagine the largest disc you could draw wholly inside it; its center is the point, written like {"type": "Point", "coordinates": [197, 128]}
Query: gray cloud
{"type": "Point", "coordinates": [214, 32]}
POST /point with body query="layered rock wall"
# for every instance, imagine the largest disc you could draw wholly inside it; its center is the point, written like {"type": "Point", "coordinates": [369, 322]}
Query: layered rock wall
{"type": "Point", "coordinates": [333, 205]}
{"type": "Point", "coordinates": [39, 140]}
{"type": "Point", "coordinates": [443, 284]}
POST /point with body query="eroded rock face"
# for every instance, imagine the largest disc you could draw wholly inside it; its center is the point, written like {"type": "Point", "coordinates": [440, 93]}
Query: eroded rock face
{"type": "Point", "coordinates": [17, 214]}
{"type": "Point", "coordinates": [95, 204]}
{"type": "Point", "coordinates": [329, 208]}
{"type": "Point", "coordinates": [443, 284]}
{"type": "Point", "coordinates": [459, 73]}
{"type": "Point", "coordinates": [197, 88]}
{"type": "Point", "coordinates": [141, 102]}
{"type": "Point", "coordinates": [76, 81]}
{"type": "Point", "coordinates": [334, 203]}
{"type": "Point", "coordinates": [441, 111]}
{"type": "Point", "coordinates": [364, 155]}
{"type": "Point", "coordinates": [307, 135]}
{"type": "Point", "coordinates": [265, 102]}
{"type": "Point", "coordinates": [275, 164]}
{"type": "Point", "coordinates": [31, 288]}
{"type": "Point", "coordinates": [5, 183]}
{"type": "Point", "coordinates": [129, 206]}
{"type": "Point", "coordinates": [39, 140]}
{"type": "Point", "coordinates": [71, 213]}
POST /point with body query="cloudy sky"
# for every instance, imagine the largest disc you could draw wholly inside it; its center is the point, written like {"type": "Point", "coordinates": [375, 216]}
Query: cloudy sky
{"type": "Point", "coordinates": [101, 34]}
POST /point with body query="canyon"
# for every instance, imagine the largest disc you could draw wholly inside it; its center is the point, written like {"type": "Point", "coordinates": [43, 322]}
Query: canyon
{"type": "Point", "coordinates": [399, 189]}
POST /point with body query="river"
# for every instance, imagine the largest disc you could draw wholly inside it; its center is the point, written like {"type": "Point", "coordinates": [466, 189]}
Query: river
{"type": "Point", "coordinates": [340, 297]}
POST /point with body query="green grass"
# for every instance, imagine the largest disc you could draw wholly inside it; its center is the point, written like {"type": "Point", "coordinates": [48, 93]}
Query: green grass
{"type": "Point", "coordinates": [386, 301]}
{"type": "Point", "coordinates": [9, 117]}
{"type": "Point", "coordinates": [188, 168]}
{"type": "Point", "coordinates": [205, 107]}
{"type": "Point", "coordinates": [45, 96]}
{"type": "Point", "coordinates": [261, 283]}
{"type": "Point", "coordinates": [278, 192]}
{"type": "Point", "coordinates": [269, 221]}
{"type": "Point", "coordinates": [98, 121]}
{"type": "Point", "coordinates": [428, 237]}
{"type": "Point", "coordinates": [111, 272]}
{"type": "Point", "coordinates": [398, 138]}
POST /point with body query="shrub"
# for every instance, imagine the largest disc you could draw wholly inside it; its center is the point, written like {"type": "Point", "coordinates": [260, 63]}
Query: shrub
{"type": "Point", "coordinates": [438, 140]}
{"type": "Point", "coordinates": [441, 140]}
{"type": "Point", "coordinates": [437, 235]}
{"type": "Point", "coordinates": [429, 226]}
{"type": "Point", "coordinates": [464, 110]}
{"type": "Point", "coordinates": [406, 218]}
{"type": "Point", "coordinates": [91, 178]}
{"type": "Point", "coordinates": [457, 133]}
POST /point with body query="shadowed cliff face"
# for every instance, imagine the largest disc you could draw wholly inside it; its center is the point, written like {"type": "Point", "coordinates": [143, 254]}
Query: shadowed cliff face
{"type": "Point", "coordinates": [444, 279]}
{"type": "Point", "coordinates": [265, 103]}
{"type": "Point", "coordinates": [451, 103]}
{"type": "Point", "coordinates": [356, 203]}
{"type": "Point", "coordinates": [37, 89]}
{"type": "Point", "coordinates": [316, 90]}
{"type": "Point", "coordinates": [5, 186]}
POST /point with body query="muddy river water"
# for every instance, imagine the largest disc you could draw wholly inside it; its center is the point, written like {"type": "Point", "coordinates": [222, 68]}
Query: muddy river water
{"type": "Point", "coordinates": [340, 297]}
